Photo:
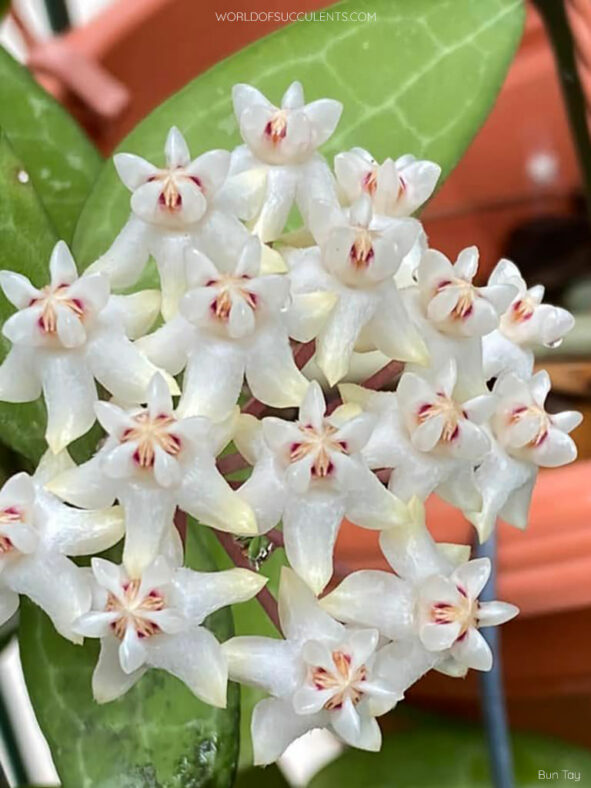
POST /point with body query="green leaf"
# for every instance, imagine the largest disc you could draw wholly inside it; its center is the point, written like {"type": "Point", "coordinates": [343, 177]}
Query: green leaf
{"type": "Point", "coordinates": [26, 241]}
{"type": "Point", "coordinates": [269, 777]}
{"type": "Point", "coordinates": [448, 755]}
{"type": "Point", "coordinates": [8, 630]}
{"type": "Point", "coordinates": [59, 158]}
{"type": "Point", "coordinates": [419, 79]}
{"type": "Point", "coordinates": [158, 735]}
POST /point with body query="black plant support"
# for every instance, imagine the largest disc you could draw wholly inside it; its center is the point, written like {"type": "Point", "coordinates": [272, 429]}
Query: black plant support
{"type": "Point", "coordinates": [3, 780]}
{"type": "Point", "coordinates": [553, 12]}
{"type": "Point", "coordinates": [14, 756]}
{"type": "Point", "coordinates": [492, 693]}
{"type": "Point", "coordinates": [59, 16]}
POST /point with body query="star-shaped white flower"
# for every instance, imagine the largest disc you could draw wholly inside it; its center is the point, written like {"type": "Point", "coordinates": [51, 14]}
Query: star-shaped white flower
{"type": "Point", "coordinates": [450, 300]}
{"type": "Point", "coordinates": [525, 324]}
{"type": "Point", "coordinates": [153, 620]}
{"type": "Point", "coordinates": [525, 438]}
{"type": "Point", "coordinates": [64, 336]}
{"type": "Point", "coordinates": [396, 188]}
{"type": "Point", "coordinates": [323, 675]}
{"type": "Point", "coordinates": [451, 314]}
{"type": "Point", "coordinates": [431, 439]}
{"type": "Point", "coordinates": [282, 142]}
{"type": "Point", "coordinates": [153, 461]}
{"type": "Point", "coordinates": [231, 327]}
{"type": "Point", "coordinates": [432, 597]}
{"type": "Point", "coordinates": [37, 533]}
{"type": "Point", "coordinates": [357, 257]}
{"type": "Point", "coordinates": [173, 207]}
{"type": "Point", "coordinates": [310, 474]}
{"type": "Point", "coordinates": [450, 615]}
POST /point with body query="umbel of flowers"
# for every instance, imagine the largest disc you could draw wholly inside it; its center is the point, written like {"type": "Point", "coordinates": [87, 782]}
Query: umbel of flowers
{"type": "Point", "coordinates": [254, 315]}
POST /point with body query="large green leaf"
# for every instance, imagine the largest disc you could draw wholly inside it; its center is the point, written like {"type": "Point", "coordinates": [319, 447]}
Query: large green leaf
{"type": "Point", "coordinates": [60, 160]}
{"type": "Point", "coordinates": [157, 736]}
{"type": "Point", "coordinates": [419, 79]}
{"type": "Point", "coordinates": [270, 777]}
{"type": "Point", "coordinates": [26, 241]}
{"type": "Point", "coordinates": [443, 754]}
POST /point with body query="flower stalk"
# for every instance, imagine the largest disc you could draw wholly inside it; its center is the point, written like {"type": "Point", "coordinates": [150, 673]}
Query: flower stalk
{"type": "Point", "coordinates": [264, 597]}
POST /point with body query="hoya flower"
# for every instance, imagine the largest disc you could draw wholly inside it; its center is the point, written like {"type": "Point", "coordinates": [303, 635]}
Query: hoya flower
{"type": "Point", "coordinates": [449, 614]}
{"type": "Point", "coordinates": [355, 262]}
{"type": "Point", "coordinates": [525, 324]}
{"type": "Point", "coordinates": [153, 461]}
{"type": "Point", "coordinates": [452, 302]}
{"type": "Point", "coordinates": [172, 208]}
{"type": "Point", "coordinates": [310, 474]}
{"type": "Point", "coordinates": [153, 620]}
{"type": "Point", "coordinates": [432, 595]}
{"type": "Point", "coordinates": [282, 142]}
{"type": "Point", "coordinates": [396, 188]}
{"type": "Point", "coordinates": [452, 314]}
{"type": "Point", "coordinates": [37, 533]}
{"type": "Point", "coordinates": [64, 336]}
{"type": "Point", "coordinates": [431, 439]}
{"type": "Point", "coordinates": [231, 327]}
{"type": "Point", "coordinates": [526, 437]}
{"type": "Point", "coordinates": [323, 675]}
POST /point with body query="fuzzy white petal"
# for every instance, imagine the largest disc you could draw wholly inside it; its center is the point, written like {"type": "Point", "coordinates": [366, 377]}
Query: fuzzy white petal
{"type": "Point", "coordinates": [196, 658]}
{"type": "Point", "coordinates": [373, 599]}
{"type": "Point", "coordinates": [267, 663]}
{"type": "Point", "coordinates": [62, 266]}
{"type": "Point", "coordinates": [271, 372]}
{"type": "Point", "coordinates": [301, 616]}
{"type": "Point", "coordinates": [493, 613]}
{"type": "Point", "coordinates": [202, 593]}
{"type": "Point", "coordinates": [472, 576]}
{"type": "Point", "coordinates": [68, 416]}
{"type": "Point", "coordinates": [310, 527]}
{"type": "Point", "coordinates": [473, 651]}
{"type": "Point", "coordinates": [205, 495]}
{"type": "Point", "coordinates": [55, 584]}
{"type": "Point", "coordinates": [213, 380]}
{"type": "Point", "coordinates": [109, 681]}
{"type": "Point", "coordinates": [275, 725]}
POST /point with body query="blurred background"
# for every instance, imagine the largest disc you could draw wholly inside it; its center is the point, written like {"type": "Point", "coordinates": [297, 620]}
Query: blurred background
{"type": "Point", "coordinates": [517, 193]}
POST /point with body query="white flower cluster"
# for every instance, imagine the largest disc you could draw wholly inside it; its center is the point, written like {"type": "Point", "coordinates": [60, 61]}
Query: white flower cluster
{"type": "Point", "coordinates": [238, 299]}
